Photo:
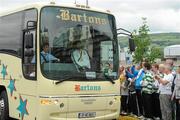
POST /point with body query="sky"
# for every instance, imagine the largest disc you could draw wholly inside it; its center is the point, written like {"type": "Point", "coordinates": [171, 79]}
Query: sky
{"type": "Point", "coordinates": [162, 15]}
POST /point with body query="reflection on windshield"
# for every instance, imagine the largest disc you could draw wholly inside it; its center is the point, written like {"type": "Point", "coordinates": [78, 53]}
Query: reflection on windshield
{"type": "Point", "coordinates": [83, 49]}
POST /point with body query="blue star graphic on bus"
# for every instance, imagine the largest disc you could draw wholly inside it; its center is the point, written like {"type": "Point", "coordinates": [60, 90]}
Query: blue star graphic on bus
{"type": "Point", "coordinates": [11, 86]}
{"type": "Point", "coordinates": [22, 108]}
{"type": "Point", "coordinates": [4, 71]}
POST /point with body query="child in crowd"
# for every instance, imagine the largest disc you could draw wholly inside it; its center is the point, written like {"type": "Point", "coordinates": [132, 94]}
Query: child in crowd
{"type": "Point", "coordinates": [124, 91]}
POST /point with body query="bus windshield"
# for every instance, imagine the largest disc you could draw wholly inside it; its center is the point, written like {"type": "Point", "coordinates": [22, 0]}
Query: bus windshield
{"type": "Point", "coordinates": [78, 44]}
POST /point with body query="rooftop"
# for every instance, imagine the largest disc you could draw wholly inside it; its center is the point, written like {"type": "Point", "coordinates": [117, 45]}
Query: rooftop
{"type": "Point", "coordinates": [173, 46]}
{"type": "Point", "coordinates": [42, 4]}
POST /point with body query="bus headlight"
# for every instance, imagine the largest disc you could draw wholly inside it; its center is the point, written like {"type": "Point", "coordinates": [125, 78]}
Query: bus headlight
{"type": "Point", "coordinates": [45, 102]}
{"type": "Point", "coordinates": [49, 102]}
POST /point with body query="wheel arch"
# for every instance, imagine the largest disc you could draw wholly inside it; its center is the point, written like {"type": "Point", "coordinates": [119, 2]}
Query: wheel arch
{"type": "Point", "coordinates": [2, 88]}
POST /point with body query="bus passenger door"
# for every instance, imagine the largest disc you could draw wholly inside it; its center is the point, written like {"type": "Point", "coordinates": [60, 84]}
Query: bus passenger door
{"type": "Point", "coordinates": [28, 83]}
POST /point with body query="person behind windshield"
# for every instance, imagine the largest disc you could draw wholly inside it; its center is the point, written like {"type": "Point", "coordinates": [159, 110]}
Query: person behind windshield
{"type": "Point", "coordinates": [108, 69]}
{"type": "Point", "coordinates": [45, 55]}
{"type": "Point", "coordinates": [80, 56]}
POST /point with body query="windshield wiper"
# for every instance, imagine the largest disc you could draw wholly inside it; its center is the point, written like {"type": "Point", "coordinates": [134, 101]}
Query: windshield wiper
{"type": "Point", "coordinates": [109, 78]}
{"type": "Point", "coordinates": [62, 80]}
{"type": "Point", "coordinates": [69, 78]}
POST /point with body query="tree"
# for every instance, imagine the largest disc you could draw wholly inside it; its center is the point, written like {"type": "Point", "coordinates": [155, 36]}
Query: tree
{"type": "Point", "coordinates": [142, 40]}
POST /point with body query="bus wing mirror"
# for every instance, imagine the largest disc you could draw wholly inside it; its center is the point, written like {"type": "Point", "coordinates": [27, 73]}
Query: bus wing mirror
{"type": "Point", "coordinates": [31, 25]}
{"type": "Point", "coordinates": [131, 44]}
{"type": "Point", "coordinates": [28, 38]}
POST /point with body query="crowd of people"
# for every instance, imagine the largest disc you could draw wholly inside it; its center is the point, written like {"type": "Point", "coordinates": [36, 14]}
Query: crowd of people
{"type": "Point", "coordinates": [151, 91]}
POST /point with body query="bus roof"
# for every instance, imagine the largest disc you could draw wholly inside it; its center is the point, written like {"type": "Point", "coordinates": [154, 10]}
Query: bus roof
{"type": "Point", "coordinates": [42, 4]}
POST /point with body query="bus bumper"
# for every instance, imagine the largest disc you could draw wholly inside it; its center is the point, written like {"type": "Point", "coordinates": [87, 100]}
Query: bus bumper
{"type": "Point", "coordinates": [86, 108]}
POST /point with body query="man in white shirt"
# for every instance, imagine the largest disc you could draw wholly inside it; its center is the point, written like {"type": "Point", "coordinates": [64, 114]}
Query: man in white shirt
{"type": "Point", "coordinates": [165, 93]}
{"type": "Point", "coordinates": [170, 62]}
{"type": "Point", "coordinates": [80, 56]}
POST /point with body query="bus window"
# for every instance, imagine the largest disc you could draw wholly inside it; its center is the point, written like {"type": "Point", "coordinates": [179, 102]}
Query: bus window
{"type": "Point", "coordinates": [29, 51]}
{"type": "Point", "coordinates": [11, 34]}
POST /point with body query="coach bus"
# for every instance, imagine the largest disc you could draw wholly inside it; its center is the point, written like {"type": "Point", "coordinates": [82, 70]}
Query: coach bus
{"type": "Point", "coordinates": [58, 62]}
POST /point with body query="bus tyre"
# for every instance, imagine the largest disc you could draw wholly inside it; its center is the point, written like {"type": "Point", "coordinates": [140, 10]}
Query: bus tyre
{"type": "Point", "coordinates": [4, 109]}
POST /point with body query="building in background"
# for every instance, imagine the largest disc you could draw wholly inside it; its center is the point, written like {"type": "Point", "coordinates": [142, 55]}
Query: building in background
{"type": "Point", "coordinates": [172, 52]}
{"type": "Point", "coordinates": [125, 57]}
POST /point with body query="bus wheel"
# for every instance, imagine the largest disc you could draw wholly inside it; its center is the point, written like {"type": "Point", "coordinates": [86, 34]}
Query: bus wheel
{"type": "Point", "coordinates": [4, 110]}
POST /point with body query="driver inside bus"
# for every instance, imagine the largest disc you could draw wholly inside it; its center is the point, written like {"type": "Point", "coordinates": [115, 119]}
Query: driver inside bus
{"type": "Point", "coordinates": [45, 55]}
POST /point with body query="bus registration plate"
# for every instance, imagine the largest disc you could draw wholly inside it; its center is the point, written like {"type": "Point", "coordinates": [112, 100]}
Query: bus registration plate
{"type": "Point", "coordinates": [86, 114]}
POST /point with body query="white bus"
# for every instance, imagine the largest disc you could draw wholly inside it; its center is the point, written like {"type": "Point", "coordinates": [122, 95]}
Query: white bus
{"type": "Point", "coordinates": [51, 65]}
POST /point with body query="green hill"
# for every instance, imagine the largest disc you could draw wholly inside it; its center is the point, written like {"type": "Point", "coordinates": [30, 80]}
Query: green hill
{"type": "Point", "coordinates": [159, 39]}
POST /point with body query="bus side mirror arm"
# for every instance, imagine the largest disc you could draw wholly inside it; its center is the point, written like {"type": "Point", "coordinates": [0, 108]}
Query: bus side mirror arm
{"type": "Point", "coordinates": [132, 45]}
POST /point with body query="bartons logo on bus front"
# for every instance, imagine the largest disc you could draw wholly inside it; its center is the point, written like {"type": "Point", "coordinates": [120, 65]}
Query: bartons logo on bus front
{"type": "Point", "coordinates": [87, 88]}
{"type": "Point", "coordinates": [66, 15]}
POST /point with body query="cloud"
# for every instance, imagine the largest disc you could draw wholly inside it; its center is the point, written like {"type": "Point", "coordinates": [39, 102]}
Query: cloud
{"type": "Point", "coordinates": [162, 15]}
